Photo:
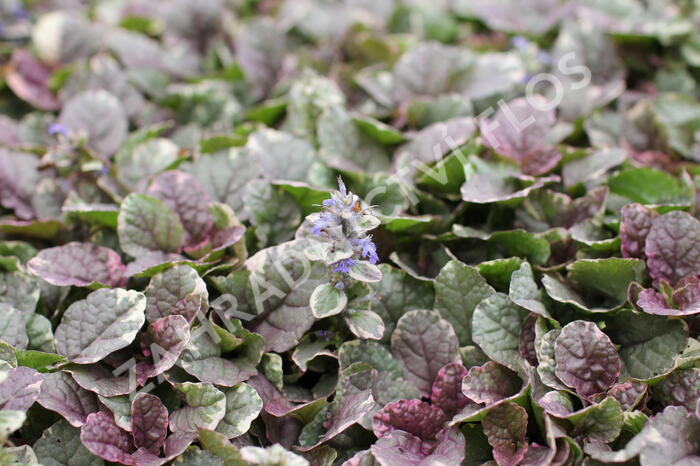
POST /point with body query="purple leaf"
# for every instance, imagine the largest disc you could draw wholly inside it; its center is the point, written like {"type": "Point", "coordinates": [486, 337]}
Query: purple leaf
{"type": "Point", "coordinates": [526, 343]}
{"type": "Point", "coordinates": [424, 343]}
{"type": "Point", "coordinates": [29, 79]}
{"type": "Point", "coordinates": [350, 410]}
{"type": "Point", "coordinates": [505, 427]}
{"type": "Point", "coordinates": [165, 340]}
{"type": "Point", "coordinates": [20, 389]}
{"type": "Point", "coordinates": [103, 438]}
{"type": "Point", "coordinates": [628, 394]}
{"type": "Point", "coordinates": [18, 177]}
{"type": "Point", "coordinates": [447, 389]}
{"type": "Point", "coordinates": [653, 302]}
{"type": "Point", "coordinates": [78, 264]}
{"type": "Point", "coordinates": [61, 393]}
{"type": "Point", "coordinates": [413, 416]}
{"type": "Point", "coordinates": [188, 199]}
{"type": "Point", "coordinates": [177, 290]}
{"type": "Point", "coordinates": [490, 383]}
{"type": "Point", "coordinates": [680, 388]}
{"type": "Point", "coordinates": [149, 422]}
{"type": "Point", "coordinates": [519, 131]}
{"type": "Point", "coordinates": [585, 358]}
{"type": "Point", "coordinates": [673, 246]}
{"type": "Point", "coordinates": [403, 448]}
{"type": "Point", "coordinates": [634, 227]}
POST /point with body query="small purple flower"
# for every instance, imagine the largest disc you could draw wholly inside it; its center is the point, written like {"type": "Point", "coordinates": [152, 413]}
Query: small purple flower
{"type": "Point", "coordinates": [319, 224]}
{"type": "Point", "coordinates": [344, 265]}
{"type": "Point", "coordinates": [340, 286]}
{"type": "Point", "coordinates": [58, 128]}
{"type": "Point", "coordinates": [325, 334]}
{"type": "Point", "coordinates": [521, 43]}
{"type": "Point", "coordinates": [544, 57]}
{"type": "Point", "coordinates": [368, 248]}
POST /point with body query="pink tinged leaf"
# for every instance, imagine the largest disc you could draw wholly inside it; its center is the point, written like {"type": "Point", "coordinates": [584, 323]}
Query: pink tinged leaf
{"type": "Point", "coordinates": [526, 341]}
{"type": "Point", "coordinates": [673, 246]}
{"type": "Point", "coordinates": [103, 438]}
{"type": "Point", "coordinates": [149, 422]}
{"type": "Point", "coordinates": [536, 455]}
{"type": "Point", "coordinates": [586, 359]}
{"type": "Point", "coordinates": [424, 342]}
{"type": "Point", "coordinates": [556, 403]}
{"type": "Point", "coordinates": [20, 389]}
{"type": "Point", "coordinates": [61, 393]}
{"type": "Point", "coordinates": [414, 416]}
{"type": "Point", "coordinates": [634, 227]}
{"type": "Point", "coordinates": [680, 388]}
{"type": "Point", "coordinates": [351, 410]}
{"type": "Point", "coordinates": [629, 394]}
{"type": "Point", "coordinates": [403, 448]}
{"type": "Point", "coordinates": [685, 296]}
{"type": "Point", "coordinates": [166, 337]}
{"type": "Point", "coordinates": [188, 199]}
{"type": "Point", "coordinates": [29, 79]}
{"type": "Point", "coordinates": [18, 176]}
{"type": "Point", "coordinates": [540, 161]}
{"type": "Point", "coordinates": [490, 383]}
{"type": "Point", "coordinates": [447, 389]}
{"type": "Point", "coordinates": [505, 427]}
{"type": "Point", "coordinates": [518, 128]}
{"type": "Point", "coordinates": [78, 264]}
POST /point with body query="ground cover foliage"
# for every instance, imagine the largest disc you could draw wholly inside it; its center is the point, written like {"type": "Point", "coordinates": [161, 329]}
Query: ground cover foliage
{"type": "Point", "coordinates": [317, 232]}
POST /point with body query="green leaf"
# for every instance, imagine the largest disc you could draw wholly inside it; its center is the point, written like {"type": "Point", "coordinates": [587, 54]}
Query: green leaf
{"type": "Point", "coordinates": [365, 272]}
{"type": "Point", "coordinates": [243, 404]}
{"type": "Point", "coordinates": [220, 446]}
{"type": "Point", "coordinates": [458, 290]}
{"type": "Point", "coordinates": [649, 345]}
{"type": "Point", "coordinates": [327, 300]}
{"type": "Point", "coordinates": [365, 324]}
{"type": "Point", "coordinates": [496, 329]}
{"type": "Point", "coordinates": [38, 360]}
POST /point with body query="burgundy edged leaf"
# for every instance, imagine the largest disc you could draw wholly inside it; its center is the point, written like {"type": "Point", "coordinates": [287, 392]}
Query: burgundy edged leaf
{"type": "Point", "coordinates": [635, 224]}
{"type": "Point", "coordinates": [188, 199]}
{"type": "Point", "coordinates": [505, 427]}
{"type": "Point", "coordinates": [526, 342]}
{"type": "Point", "coordinates": [519, 131]}
{"type": "Point", "coordinates": [103, 438]}
{"type": "Point", "coordinates": [20, 389]}
{"type": "Point", "coordinates": [673, 246]}
{"type": "Point", "coordinates": [586, 359]}
{"type": "Point", "coordinates": [163, 342]}
{"type": "Point", "coordinates": [413, 416]}
{"type": "Point", "coordinates": [490, 383]}
{"type": "Point", "coordinates": [447, 389]}
{"type": "Point", "coordinates": [61, 393]}
{"type": "Point", "coordinates": [350, 410]}
{"type": "Point", "coordinates": [178, 290]}
{"type": "Point", "coordinates": [78, 264]}
{"type": "Point", "coordinates": [629, 394]}
{"type": "Point", "coordinates": [29, 79]}
{"type": "Point", "coordinates": [402, 448]}
{"type": "Point", "coordinates": [653, 302]}
{"type": "Point", "coordinates": [149, 422]}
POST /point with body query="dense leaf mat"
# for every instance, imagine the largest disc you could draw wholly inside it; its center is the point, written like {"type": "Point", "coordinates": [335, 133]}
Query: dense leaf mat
{"type": "Point", "coordinates": [325, 232]}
